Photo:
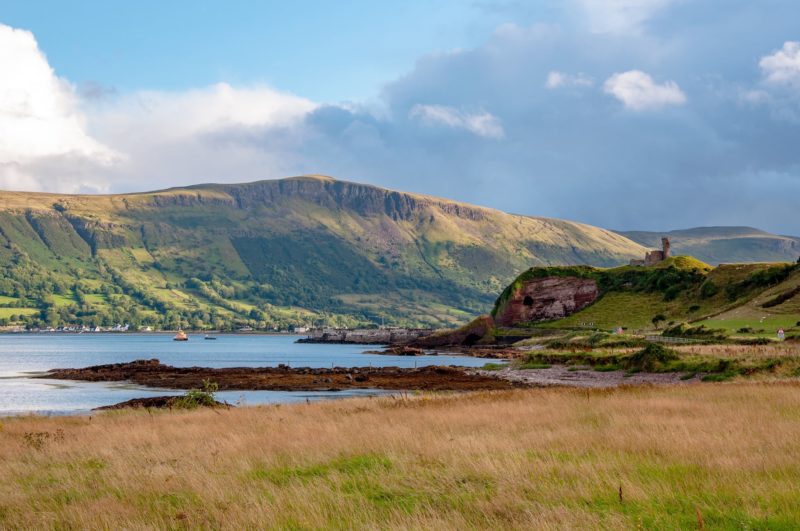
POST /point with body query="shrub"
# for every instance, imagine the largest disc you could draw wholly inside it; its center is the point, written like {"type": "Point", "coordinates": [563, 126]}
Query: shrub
{"type": "Point", "coordinates": [754, 341]}
{"type": "Point", "coordinates": [781, 298]}
{"type": "Point", "coordinates": [194, 398]}
{"type": "Point", "coordinates": [695, 332]}
{"type": "Point", "coordinates": [651, 358]}
{"type": "Point", "coordinates": [708, 289]}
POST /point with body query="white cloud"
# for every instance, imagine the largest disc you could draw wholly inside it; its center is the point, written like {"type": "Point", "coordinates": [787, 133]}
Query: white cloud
{"type": "Point", "coordinates": [48, 140]}
{"type": "Point", "coordinates": [174, 115]}
{"type": "Point", "coordinates": [620, 16]}
{"type": "Point", "coordinates": [39, 113]}
{"type": "Point", "coordinates": [480, 123]}
{"type": "Point", "coordinates": [783, 66]}
{"type": "Point", "coordinates": [199, 135]}
{"type": "Point", "coordinates": [637, 91]}
{"type": "Point", "coordinates": [557, 79]}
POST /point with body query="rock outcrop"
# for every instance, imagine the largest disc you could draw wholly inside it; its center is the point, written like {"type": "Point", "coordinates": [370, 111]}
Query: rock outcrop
{"type": "Point", "coordinates": [542, 299]}
{"type": "Point", "coordinates": [479, 329]}
{"type": "Point", "coordinates": [377, 336]}
{"type": "Point", "coordinates": [152, 373]}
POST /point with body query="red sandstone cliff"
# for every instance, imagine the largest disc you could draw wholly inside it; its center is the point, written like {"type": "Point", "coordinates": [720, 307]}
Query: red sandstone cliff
{"type": "Point", "coordinates": [541, 299]}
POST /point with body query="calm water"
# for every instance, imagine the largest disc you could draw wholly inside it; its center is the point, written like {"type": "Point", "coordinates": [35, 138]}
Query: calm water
{"type": "Point", "coordinates": [24, 354]}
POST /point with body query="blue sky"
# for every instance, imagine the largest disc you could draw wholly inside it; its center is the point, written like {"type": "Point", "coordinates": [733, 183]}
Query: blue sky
{"type": "Point", "coordinates": [330, 51]}
{"type": "Point", "coordinates": [628, 114]}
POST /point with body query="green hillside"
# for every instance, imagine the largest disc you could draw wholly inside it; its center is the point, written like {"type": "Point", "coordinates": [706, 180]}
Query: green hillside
{"type": "Point", "coordinates": [682, 294]}
{"type": "Point", "coordinates": [718, 245]}
{"type": "Point", "coordinates": [272, 253]}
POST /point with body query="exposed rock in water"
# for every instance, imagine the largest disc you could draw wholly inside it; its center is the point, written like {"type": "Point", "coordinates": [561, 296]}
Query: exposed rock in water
{"type": "Point", "coordinates": [542, 299]}
{"type": "Point", "coordinates": [402, 350]}
{"type": "Point", "coordinates": [152, 373]}
{"type": "Point", "coordinates": [155, 402]}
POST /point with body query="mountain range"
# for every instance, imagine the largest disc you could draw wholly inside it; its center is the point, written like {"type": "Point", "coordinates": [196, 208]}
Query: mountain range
{"type": "Point", "coordinates": [302, 250]}
{"type": "Point", "coordinates": [717, 245]}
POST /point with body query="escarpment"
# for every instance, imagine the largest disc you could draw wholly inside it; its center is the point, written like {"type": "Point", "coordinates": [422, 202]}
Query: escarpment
{"type": "Point", "coordinates": [542, 299]}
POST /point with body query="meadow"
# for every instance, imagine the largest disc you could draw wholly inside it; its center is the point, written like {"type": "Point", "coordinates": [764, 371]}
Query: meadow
{"type": "Point", "coordinates": [715, 456]}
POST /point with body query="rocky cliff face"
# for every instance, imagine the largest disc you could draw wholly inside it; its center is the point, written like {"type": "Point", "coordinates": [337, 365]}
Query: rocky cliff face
{"type": "Point", "coordinates": [542, 299]}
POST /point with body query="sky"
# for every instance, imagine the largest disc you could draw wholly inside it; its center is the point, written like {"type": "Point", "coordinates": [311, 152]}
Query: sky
{"type": "Point", "coordinates": [627, 114]}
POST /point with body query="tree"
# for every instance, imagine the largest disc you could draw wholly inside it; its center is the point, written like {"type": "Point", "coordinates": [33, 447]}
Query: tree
{"type": "Point", "coordinates": [660, 318]}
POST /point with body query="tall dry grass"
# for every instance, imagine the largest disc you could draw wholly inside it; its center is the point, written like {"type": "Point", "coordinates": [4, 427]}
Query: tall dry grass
{"type": "Point", "coordinates": [727, 455]}
{"type": "Point", "coordinates": [723, 351]}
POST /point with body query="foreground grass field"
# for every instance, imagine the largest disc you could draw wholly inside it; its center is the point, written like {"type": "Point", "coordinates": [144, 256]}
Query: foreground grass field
{"type": "Point", "coordinates": [719, 456]}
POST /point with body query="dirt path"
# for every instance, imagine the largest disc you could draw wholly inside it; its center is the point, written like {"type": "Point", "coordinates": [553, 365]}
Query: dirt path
{"type": "Point", "coordinates": [561, 375]}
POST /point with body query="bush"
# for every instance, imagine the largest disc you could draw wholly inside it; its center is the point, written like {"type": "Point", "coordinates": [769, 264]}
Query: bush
{"type": "Point", "coordinates": [781, 298]}
{"type": "Point", "coordinates": [708, 289]}
{"type": "Point", "coordinates": [194, 398]}
{"type": "Point", "coordinates": [695, 332]}
{"type": "Point", "coordinates": [754, 341]}
{"type": "Point", "coordinates": [651, 358]}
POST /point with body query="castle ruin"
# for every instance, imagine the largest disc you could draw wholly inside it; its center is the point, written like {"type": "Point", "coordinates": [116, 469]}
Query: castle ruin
{"type": "Point", "coordinates": [654, 257]}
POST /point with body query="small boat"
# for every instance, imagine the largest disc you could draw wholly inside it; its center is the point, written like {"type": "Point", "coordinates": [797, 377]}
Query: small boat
{"type": "Point", "coordinates": [181, 336]}
{"type": "Point", "coordinates": [210, 338]}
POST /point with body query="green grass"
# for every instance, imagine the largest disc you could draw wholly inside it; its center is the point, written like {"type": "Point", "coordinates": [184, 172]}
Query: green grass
{"type": "Point", "coordinates": [534, 365]}
{"type": "Point", "coordinates": [770, 324]}
{"type": "Point", "coordinates": [718, 363]}
{"type": "Point", "coordinates": [631, 310]}
{"type": "Point", "coordinates": [95, 298]}
{"type": "Point", "coordinates": [8, 300]}
{"type": "Point", "coordinates": [63, 300]}
{"type": "Point", "coordinates": [8, 312]}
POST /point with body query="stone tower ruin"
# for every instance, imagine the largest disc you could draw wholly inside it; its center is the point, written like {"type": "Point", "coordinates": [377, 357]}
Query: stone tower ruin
{"type": "Point", "coordinates": [654, 257]}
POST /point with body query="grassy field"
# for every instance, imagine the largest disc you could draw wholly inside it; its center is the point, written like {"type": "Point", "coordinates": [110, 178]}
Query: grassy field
{"type": "Point", "coordinates": [711, 362]}
{"type": "Point", "coordinates": [8, 312]}
{"type": "Point", "coordinates": [719, 456]}
{"type": "Point", "coordinates": [766, 326]}
{"type": "Point", "coordinates": [632, 310]}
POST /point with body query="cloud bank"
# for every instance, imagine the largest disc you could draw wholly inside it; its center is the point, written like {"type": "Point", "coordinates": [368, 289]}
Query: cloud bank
{"type": "Point", "coordinates": [40, 117]}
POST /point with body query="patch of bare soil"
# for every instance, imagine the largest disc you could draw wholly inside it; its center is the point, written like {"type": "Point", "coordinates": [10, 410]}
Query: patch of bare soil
{"type": "Point", "coordinates": [561, 375]}
{"type": "Point", "coordinates": [153, 374]}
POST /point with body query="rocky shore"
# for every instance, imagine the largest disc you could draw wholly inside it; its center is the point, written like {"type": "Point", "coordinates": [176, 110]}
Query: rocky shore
{"type": "Point", "coordinates": [155, 402]}
{"type": "Point", "coordinates": [152, 373]}
{"type": "Point", "coordinates": [377, 336]}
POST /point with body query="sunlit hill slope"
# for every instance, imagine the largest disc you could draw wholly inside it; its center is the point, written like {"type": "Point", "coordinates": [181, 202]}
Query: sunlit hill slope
{"type": "Point", "coordinates": [283, 252]}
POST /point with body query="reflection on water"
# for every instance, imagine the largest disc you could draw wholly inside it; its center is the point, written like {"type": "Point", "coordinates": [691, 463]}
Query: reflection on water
{"type": "Point", "coordinates": [24, 354]}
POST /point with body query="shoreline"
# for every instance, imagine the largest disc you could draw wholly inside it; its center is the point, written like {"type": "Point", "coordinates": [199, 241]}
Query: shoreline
{"type": "Point", "coordinates": [151, 373]}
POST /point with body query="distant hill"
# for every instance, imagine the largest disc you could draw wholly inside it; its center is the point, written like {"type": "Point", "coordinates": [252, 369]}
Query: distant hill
{"type": "Point", "coordinates": [718, 245]}
{"type": "Point", "coordinates": [292, 251]}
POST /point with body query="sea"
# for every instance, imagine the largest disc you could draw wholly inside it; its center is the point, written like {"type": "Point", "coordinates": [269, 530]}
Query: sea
{"type": "Point", "coordinates": [24, 355]}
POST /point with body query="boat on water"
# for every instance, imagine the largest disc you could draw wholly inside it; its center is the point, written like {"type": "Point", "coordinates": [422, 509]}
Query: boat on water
{"type": "Point", "coordinates": [210, 338]}
{"type": "Point", "coordinates": [181, 336]}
